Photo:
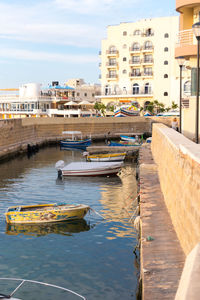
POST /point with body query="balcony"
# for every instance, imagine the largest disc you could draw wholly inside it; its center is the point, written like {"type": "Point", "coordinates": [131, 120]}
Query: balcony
{"type": "Point", "coordinates": [147, 74]}
{"type": "Point", "coordinates": [148, 49]}
{"type": "Point", "coordinates": [112, 65]}
{"type": "Point", "coordinates": [112, 52]}
{"type": "Point", "coordinates": [135, 62]}
{"type": "Point", "coordinates": [111, 76]}
{"type": "Point", "coordinates": [135, 75]}
{"type": "Point", "coordinates": [147, 61]}
{"type": "Point", "coordinates": [186, 44]}
{"type": "Point", "coordinates": [135, 50]}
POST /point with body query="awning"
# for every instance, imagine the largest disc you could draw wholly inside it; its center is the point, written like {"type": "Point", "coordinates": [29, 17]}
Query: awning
{"type": "Point", "coordinates": [71, 103]}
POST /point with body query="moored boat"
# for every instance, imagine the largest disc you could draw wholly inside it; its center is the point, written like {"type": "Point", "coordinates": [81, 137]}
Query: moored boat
{"type": "Point", "coordinates": [88, 168]}
{"type": "Point", "coordinates": [106, 157]}
{"type": "Point", "coordinates": [74, 142]}
{"type": "Point", "coordinates": [45, 213]}
{"type": "Point", "coordinates": [128, 138]}
{"type": "Point", "coordinates": [124, 143]}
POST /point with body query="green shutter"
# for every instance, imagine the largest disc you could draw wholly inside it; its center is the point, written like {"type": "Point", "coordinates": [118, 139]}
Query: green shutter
{"type": "Point", "coordinates": [194, 81]}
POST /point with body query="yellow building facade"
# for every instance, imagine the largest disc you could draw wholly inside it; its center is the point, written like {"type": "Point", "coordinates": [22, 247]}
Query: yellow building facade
{"type": "Point", "coordinates": [138, 62]}
{"type": "Point", "coordinates": [187, 47]}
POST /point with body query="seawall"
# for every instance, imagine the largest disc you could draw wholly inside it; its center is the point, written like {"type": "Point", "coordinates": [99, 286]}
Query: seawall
{"type": "Point", "coordinates": [16, 134]}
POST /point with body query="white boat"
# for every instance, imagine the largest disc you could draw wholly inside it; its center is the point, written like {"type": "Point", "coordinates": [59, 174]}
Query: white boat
{"type": "Point", "coordinates": [128, 138]}
{"type": "Point", "coordinates": [105, 157]}
{"type": "Point", "coordinates": [29, 292]}
{"type": "Point", "coordinates": [88, 168]}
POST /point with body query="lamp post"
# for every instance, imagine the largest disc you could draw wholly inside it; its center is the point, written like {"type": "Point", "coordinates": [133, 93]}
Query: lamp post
{"type": "Point", "coordinates": [196, 31]}
{"type": "Point", "coordinates": [181, 61]}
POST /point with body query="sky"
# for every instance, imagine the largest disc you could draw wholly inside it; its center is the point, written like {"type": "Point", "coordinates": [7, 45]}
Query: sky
{"type": "Point", "coordinates": [55, 40]}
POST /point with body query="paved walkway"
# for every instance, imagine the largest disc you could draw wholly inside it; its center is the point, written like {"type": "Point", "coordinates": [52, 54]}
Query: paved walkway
{"type": "Point", "coordinates": [162, 258]}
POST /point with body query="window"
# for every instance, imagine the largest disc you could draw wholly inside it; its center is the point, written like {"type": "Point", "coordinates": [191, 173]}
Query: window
{"type": "Point", "coordinates": [135, 47]}
{"type": "Point", "coordinates": [107, 90]}
{"type": "Point", "coordinates": [148, 58]}
{"type": "Point", "coordinates": [187, 87]}
{"type": "Point", "coordinates": [166, 62]}
{"type": "Point", "coordinates": [78, 94]}
{"type": "Point", "coordinates": [112, 74]}
{"type": "Point", "coordinates": [148, 71]}
{"type": "Point", "coordinates": [149, 32]}
{"type": "Point", "coordinates": [124, 58]}
{"type": "Point", "coordinates": [147, 88]}
{"type": "Point", "coordinates": [136, 89]}
{"type": "Point", "coordinates": [112, 62]}
{"type": "Point", "coordinates": [166, 35]}
{"type": "Point", "coordinates": [137, 32]}
{"type": "Point", "coordinates": [136, 59]}
{"type": "Point", "coordinates": [124, 46]}
{"type": "Point", "coordinates": [136, 72]}
{"type": "Point", "coordinates": [124, 71]}
{"type": "Point", "coordinates": [85, 94]}
{"type": "Point", "coordinates": [112, 50]}
{"type": "Point", "coordinates": [124, 33]}
{"type": "Point", "coordinates": [92, 94]}
{"type": "Point", "coordinates": [148, 45]}
{"type": "Point", "coordinates": [165, 75]}
{"type": "Point", "coordinates": [166, 49]}
{"type": "Point", "coordinates": [165, 93]}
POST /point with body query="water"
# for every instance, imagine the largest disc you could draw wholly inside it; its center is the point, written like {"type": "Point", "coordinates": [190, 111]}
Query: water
{"type": "Point", "coordinates": [94, 257]}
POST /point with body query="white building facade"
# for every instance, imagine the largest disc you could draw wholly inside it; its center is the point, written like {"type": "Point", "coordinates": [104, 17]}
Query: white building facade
{"type": "Point", "coordinates": [138, 63]}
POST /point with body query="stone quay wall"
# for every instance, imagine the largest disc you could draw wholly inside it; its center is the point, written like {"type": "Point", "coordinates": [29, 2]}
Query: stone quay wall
{"type": "Point", "coordinates": [178, 161]}
{"type": "Point", "coordinates": [34, 130]}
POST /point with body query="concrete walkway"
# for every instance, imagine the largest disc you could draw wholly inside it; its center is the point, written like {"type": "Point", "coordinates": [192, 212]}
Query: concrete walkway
{"type": "Point", "coordinates": [162, 258]}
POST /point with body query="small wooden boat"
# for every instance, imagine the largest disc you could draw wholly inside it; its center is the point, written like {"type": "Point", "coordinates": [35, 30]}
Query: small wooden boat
{"type": "Point", "coordinates": [124, 143]}
{"type": "Point", "coordinates": [128, 138]}
{"type": "Point", "coordinates": [106, 157]}
{"type": "Point", "coordinates": [74, 142]}
{"type": "Point", "coordinates": [88, 168]}
{"type": "Point", "coordinates": [45, 213]}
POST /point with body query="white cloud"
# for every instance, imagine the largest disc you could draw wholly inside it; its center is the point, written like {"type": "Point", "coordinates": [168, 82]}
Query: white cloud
{"type": "Point", "coordinates": [42, 25]}
{"type": "Point", "coordinates": [94, 6]}
{"type": "Point", "coordinates": [21, 54]}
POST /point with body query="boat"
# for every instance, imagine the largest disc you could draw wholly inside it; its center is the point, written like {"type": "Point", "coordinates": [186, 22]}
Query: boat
{"type": "Point", "coordinates": [124, 143]}
{"type": "Point", "coordinates": [45, 213]}
{"type": "Point", "coordinates": [30, 293]}
{"type": "Point", "coordinates": [127, 111]}
{"type": "Point", "coordinates": [128, 138]}
{"type": "Point", "coordinates": [74, 142]}
{"type": "Point", "coordinates": [88, 168]}
{"type": "Point", "coordinates": [106, 157]}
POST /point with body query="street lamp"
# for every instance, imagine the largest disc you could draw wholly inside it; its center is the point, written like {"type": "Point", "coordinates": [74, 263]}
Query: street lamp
{"type": "Point", "coordinates": [181, 61]}
{"type": "Point", "coordinates": [196, 31]}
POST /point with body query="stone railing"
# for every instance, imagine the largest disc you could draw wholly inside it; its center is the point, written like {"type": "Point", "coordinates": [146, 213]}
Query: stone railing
{"type": "Point", "coordinates": [178, 161]}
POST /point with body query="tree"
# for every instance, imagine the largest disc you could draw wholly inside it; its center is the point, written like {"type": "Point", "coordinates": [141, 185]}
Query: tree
{"type": "Point", "coordinates": [100, 107]}
{"type": "Point", "coordinates": [174, 105]}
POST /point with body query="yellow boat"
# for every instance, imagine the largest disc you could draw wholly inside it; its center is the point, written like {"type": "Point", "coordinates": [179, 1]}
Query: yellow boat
{"type": "Point", "coordinates": [45, 213]}
{"type": "Point", "coordinates": [107, 157]}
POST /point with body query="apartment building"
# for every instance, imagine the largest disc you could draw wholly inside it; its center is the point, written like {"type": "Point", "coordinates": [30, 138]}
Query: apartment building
{"type": "Point", "coordinates": [138, 62]}
{"type": "Point", "coordinates": [186, 47]}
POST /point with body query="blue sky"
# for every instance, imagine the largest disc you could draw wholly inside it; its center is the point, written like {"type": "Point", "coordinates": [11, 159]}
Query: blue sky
{"type": "Point", "coordinates": [46, 40]}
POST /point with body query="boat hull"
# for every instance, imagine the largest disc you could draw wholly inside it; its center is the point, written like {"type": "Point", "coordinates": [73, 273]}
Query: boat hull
{"type": "Point", "coordinates": [76, 144]}
{"type": "Point", "coordinates": [49, 214]}
{"type": "Point", "coordinates": [112, 171]}
{"type": "Point", "coordinates": [107, 157]}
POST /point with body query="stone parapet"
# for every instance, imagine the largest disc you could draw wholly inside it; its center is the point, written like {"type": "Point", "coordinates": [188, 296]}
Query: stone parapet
{"type": "Point", "coordinates": [178, 161]}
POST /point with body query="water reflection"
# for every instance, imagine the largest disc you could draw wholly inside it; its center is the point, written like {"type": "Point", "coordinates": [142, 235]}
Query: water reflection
{"type": "Point", "coordinates": [63, 228]}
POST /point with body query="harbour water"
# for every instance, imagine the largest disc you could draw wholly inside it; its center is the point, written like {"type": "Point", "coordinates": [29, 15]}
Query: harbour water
{"type": "Point", "coordinates": [94, 257]}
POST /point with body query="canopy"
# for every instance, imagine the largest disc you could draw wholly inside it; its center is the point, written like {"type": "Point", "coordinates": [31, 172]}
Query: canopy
{"type": "Point", "coordinates": [71, 103]}
{"type": "Point", "coordinates": [85, 102]}
{"type": "Point", "coordinates": [59, 87]}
